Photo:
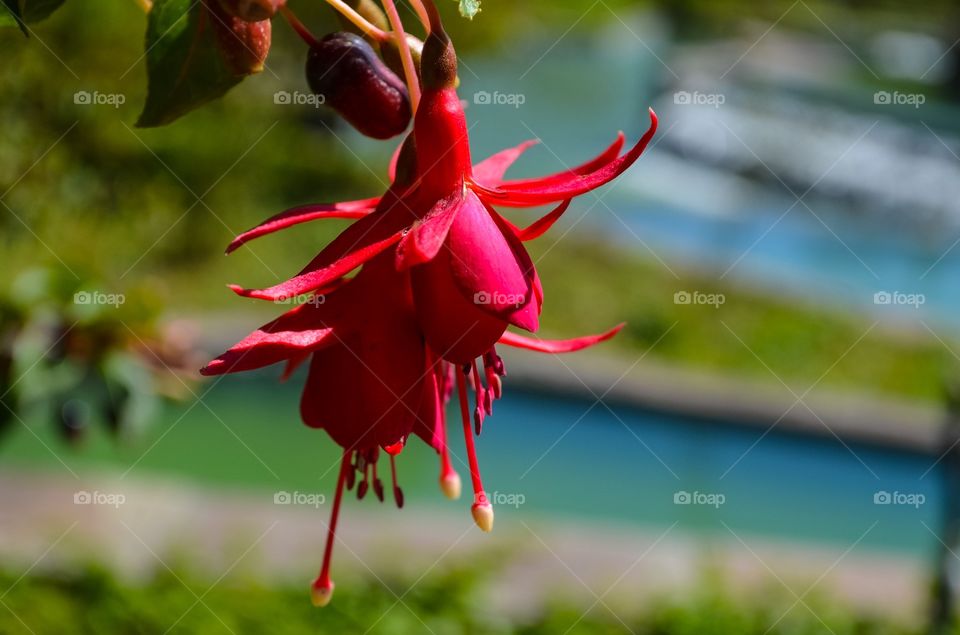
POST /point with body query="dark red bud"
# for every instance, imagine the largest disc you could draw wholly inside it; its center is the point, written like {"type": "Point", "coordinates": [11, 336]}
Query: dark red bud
{"type": "Point", "coordinates": [244, 45]}
{"type": "Point", "coordinates": [378, 489]}
{"type": "Point", "coordinates": [346, 71]}
{"type": "Point", "coordinates": [438, 64]}
{"type": "Point", "coordinates": [251, 10]}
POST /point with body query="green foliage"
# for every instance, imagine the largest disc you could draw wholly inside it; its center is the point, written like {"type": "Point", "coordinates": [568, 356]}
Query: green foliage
{"type": "Point", "coordinates": [185, 68]}
{"type": "Point", "coordinates": [23, 12]}
{"type": "Point", "coordinates": [450, 600]}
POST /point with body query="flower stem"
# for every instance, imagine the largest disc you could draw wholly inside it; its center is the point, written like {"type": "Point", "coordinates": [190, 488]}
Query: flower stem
{"type": "Point", "coordinates": [422, 13]}
{"type": "Point", "coordinates": [298, 26]}
{"type": "Point", "coordinates": [359, 21]}
{"type": "Point", "coordinates": [406, 57]}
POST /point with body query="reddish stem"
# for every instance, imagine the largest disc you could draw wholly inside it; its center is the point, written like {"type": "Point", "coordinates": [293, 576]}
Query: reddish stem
{"type": "Point", "coordinates": [298, 26]}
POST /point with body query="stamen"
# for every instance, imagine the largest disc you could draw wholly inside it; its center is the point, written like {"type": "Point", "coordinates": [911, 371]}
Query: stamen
{"type": "Point", "coordinates": [397, 492]}
{"type": "Point", "coordinates": [493, 367]}
{"type": "Point", "coordinates": [321, 591]}
{"type": "Point", "coordinates": [352, 472]}
{"type": "Point", "coordinates": [449, 479]}
{"type": "Point", "coordinates": [482, 510]}
{"type": "Point", "coordinates": [377, 483]}
{"type": "Point", "coordinates": [365, 483]}
{"type": "Point", "coordinates": [478, 410]}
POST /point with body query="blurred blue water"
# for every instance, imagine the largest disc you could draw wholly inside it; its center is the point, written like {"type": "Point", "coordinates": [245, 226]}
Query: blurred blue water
{"type": "Point", "coordinates": [715, 194]}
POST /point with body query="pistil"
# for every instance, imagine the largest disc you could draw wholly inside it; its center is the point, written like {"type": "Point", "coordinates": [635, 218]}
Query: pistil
{"type": "Point", "coordinates": [482, 510]}
{"type": "Point", "coordinates": [322, 589]}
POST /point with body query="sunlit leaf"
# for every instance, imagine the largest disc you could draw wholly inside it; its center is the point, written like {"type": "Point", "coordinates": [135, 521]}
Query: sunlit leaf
{"type": "Point", "coordinates": [185, 68]}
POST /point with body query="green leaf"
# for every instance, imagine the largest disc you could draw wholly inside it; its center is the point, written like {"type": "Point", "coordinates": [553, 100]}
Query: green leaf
{"type": "Point", "coordinates": [469, 8]}
{"type": "Point", "coordinates": [23, 12]}
{"type": "Point", "coordinates": [185, 68]}
{"type": "Point", "coordinates": [11, 15]}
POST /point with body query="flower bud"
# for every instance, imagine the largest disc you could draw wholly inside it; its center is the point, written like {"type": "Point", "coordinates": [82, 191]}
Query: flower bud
{"type": "Point", "coordinates": [250, 10]}
{"type": "Point", "coordinates": [438, 65]}
{"type": "Point", "coordinates": [346, 71]}
{"type": "Point", "coordinates": [244, 45]}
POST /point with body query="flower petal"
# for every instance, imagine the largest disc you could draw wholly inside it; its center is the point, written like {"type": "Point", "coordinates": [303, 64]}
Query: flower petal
{"type": "Point", "coordinates": [303, 214]}
{"type": "Point", "coordinates": [557, 346]}
{"type": "Point", "coordinates": [490, 171]}
{"type": "Point", "coordinates": [490, 266]}
{"type": "Point", "coordinates": [357, 244]}
{"type": "Point", "coordinates": [365, 390]}
{"type": "Point", "coordinates": [425, 238]}
{"type": "Point", "coordinates": [296, 332]}
{"type": "Point", "coordinates": [539, 227]}
{"type": "Point", "coordinates": [567, 186]}
{"type": "Point", "coordinates": [454, 326]}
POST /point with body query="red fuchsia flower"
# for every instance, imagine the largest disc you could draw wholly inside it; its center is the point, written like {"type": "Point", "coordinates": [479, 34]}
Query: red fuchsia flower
{"type": "Point", "coordinates": [443, 275]}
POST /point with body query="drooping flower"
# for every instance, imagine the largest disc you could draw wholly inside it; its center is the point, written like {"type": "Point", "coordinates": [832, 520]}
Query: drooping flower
{"type": "Point", "coordinates": [442, 276]}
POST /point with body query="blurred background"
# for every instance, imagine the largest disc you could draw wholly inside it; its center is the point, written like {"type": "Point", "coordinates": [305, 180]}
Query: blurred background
{"type": "Point", "coordinates": [770, 446]}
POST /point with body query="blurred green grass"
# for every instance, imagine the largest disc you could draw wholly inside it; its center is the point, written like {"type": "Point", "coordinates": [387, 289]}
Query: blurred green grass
{"type": "Point", "coordinates": [450, 600]}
